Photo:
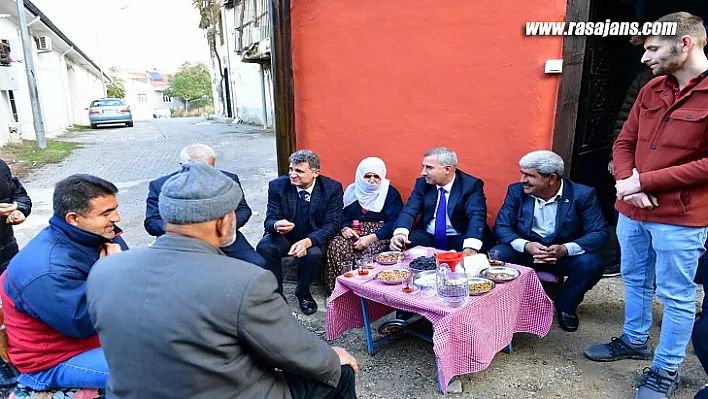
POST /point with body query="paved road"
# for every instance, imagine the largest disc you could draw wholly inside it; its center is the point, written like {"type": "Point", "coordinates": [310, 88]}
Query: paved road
{"type": "Point", "coordinates": [131, 157]}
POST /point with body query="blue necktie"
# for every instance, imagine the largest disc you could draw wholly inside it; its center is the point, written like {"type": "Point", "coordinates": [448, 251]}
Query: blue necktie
{"type": "Point", "coordinates": [305, 195]}
{"type": "Point", "coordinates": [441, 222]}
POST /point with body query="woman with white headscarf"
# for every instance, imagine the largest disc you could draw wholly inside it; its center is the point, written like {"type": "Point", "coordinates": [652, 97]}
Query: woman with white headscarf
{"type": "Point", "coordinates": [375, 203]}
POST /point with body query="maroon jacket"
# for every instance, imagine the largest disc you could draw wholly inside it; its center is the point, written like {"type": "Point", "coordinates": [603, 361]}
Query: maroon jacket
{"type": "Point", "coordinates": [667, 142]}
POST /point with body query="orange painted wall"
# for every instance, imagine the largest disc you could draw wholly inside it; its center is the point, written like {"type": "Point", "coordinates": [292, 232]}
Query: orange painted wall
{"type": "Point", "coordinates": [393, 78]}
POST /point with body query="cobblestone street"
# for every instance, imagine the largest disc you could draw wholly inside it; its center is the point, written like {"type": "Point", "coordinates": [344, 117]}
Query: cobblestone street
{"type": "Point", "coordinates": [550, 367]}
{"type": "Point", "coordinates": [132, 157]}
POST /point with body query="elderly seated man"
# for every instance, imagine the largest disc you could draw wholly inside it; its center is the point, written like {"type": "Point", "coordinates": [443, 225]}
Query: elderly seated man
{"type": "Point", "coordinates": [193, 323]}
{"type": "Point", "coordinates": [552, 224]}
{"type": "Point", "coordinates": [155, 226]}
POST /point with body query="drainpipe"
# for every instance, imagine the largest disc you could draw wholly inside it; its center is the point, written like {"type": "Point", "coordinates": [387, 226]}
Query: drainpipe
{"type": "Point", "coordinates": [264, 114]}
{"type": "Point", "coordinates": [69, 111]}
{"type": "Point", "coordinates": [282, 83]}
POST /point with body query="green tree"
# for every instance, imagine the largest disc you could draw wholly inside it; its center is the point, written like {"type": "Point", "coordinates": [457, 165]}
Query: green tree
{"type": "Point", "coordinates": [191, 84]}
{"type": "Point", "coordinates": [210, 22]}
{"type": "Point", "coordinates": [116, 88]}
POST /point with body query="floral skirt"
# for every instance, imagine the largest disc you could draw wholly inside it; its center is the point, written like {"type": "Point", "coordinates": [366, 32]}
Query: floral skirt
{"type": "Point", "coordinates": [23, 392]}
{"type": "Point", "coordinates": [340, 249]}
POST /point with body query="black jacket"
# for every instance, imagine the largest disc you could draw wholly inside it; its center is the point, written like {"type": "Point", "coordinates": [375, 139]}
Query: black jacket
{"type": "Point", "coordinates": [639, 81]}
{"type": "Point", "coordinates": [11, 190]}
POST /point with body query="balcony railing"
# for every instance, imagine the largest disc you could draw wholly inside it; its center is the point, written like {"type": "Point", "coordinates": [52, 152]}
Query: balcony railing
{"type": "Point", "coordinates": [252, 24]}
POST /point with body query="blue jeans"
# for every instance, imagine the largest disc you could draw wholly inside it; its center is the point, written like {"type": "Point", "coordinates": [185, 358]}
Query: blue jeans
{"type": "Point", "coordinates": [669, 254]}
{"type": "Point", "coordinates": [86, 370]}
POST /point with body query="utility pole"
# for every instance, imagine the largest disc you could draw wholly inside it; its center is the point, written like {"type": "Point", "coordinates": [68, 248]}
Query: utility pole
{"type": "Point", "coordinates": [31, 78]}
{"type": "Point", "coordinates": [100, 64]}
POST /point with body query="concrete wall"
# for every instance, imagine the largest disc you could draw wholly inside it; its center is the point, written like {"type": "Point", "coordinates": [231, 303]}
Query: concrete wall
{"type": "Point", "coordinates": [247, 86]}
{"type": "Point", "coordinates": [395, 78]}
{"type": "Point", "coordinates": [244, 78]}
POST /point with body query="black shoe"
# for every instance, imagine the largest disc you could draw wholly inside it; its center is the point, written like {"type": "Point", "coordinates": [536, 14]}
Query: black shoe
{"type": "Point", "coordinates": [402, 315]}
{"type": "Point", "coordinates": [568, 321]}
{"type": "Point", "coordinates": [307, 304]}
{"type": "Point", "coordinates": [8, 375]}
{"type": "Point", "coordinates": [618, 349]}
{"type": "Point", "coordinates": [657, 384]}
{"type": "Point", "coordinates": [612, 269]}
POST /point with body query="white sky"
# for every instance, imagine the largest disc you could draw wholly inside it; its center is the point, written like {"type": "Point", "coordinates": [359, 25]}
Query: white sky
{"type": "Point", "coordinates": [147, 35]}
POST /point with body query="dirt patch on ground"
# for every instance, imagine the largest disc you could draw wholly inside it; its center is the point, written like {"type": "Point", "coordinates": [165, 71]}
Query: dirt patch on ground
{"type": "Point", "coordinates": [26, 157]}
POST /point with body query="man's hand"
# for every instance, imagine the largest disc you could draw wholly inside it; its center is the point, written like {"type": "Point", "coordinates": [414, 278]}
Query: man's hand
{"type": "Point", "coordinates": [109, 249]}
{"type": "Point", "coordinates": [16, 217]}
{"type": "Point", "coordinates": [535, 248]}
{"type": "Point", "coordinates": [629, 185]}
{"type": "Point", "coordinates": [347, 232]}
{"type": "Point", "coordinates": [283, 226]}
{"type": "Point", "coordinates": [398, 242]}
{"type": "Point", "coordinates": [642, 200]}
{"type": "Point", "coordinates": [299, 249]}
{"type": "Point", "coordinates": [6, 209]}
{"type": "Point", "coordinates": [556, 252]}
{"type": "Point", "coordinates": [539, 252]}
{"type": "Point", "coordinates": [469, 251]}
{"type": "Point", "coordinates": [345, 359]}
{"type": "Point", "coordinates": [611, 168]}
{"type": "Point", "coordinates": [364, 242]}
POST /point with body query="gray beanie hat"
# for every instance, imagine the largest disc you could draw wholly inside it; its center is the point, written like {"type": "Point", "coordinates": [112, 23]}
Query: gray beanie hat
{"type": "Point", "coordinates": [198, 193]}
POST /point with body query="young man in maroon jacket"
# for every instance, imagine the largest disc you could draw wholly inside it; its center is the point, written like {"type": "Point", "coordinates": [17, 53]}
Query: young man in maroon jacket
{"type": "Point", "coordinates": [661, 168]}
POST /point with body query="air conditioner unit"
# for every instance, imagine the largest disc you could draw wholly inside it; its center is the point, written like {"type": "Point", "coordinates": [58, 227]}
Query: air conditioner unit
{"type": "Point", "coordinates": [15, 132]}
{"type": "Point", "coordinates": [44, 44]}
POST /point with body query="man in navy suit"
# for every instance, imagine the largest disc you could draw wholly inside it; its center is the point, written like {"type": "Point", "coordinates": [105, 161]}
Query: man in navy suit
{"type": "Point", "coordinates": [155, 226]}
{"type": "Point", "coordinates": [552, 224]}
{"type": "Point", "coordinates": [459, 222]}
{"type": "Point", "coordinates": [304, 213]}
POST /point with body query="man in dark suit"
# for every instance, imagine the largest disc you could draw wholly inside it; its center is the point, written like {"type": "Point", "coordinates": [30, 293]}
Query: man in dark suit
{"type": "Point", "coordinates": [155, 226]}
{"type": "Point", "coordinates": [304, 213]}
{"type": "Point", "coordinates": [464, 225]}
{"type": "Point", "coordinates": [552, 224]}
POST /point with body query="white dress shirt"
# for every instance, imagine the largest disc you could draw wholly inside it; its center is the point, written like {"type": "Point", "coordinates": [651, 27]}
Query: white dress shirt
{"type": "Point", "coordinates": [544, 222]}
{"type": "Point", "coordinates": [449, 230]}
{"type": "Point", "coordinates": [309, 189]}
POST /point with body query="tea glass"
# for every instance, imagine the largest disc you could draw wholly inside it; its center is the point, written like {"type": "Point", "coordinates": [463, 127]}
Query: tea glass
{"type": "Point", "coordinates": [347, 268]}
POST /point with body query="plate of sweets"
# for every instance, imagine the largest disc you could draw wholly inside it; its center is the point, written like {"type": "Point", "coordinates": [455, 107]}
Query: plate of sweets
{"type": "Point", "coordinates": [389, 257]}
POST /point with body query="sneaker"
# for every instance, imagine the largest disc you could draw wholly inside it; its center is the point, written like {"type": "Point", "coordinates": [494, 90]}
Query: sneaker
{"type": "Point", "coordinates": [8, 375]}
{"type": "Point", "coordinates": [618, 349]}
{"type": "Point", "coordinates": [612, 269]}
{"type": "Point", "coordinates": [657, 384]}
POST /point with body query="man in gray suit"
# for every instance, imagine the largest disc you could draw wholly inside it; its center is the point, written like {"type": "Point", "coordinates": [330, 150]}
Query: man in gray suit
{"type": "Point", "coordinates": [181, 319]}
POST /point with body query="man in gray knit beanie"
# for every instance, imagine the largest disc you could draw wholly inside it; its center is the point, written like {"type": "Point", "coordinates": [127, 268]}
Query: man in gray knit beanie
{"type": "Point", "coordinates": [198, 197]}
{"type": "Point", "coordinates": [188, 310]}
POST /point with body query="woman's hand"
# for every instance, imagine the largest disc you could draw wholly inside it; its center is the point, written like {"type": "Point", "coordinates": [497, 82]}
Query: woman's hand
{"type": "Point", "coordinates": [364, 242]}
{"type": "Point", "coordinates": [347, 232]}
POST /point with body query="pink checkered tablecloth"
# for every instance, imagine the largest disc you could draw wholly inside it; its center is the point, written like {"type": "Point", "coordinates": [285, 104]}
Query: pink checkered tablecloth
{"type": "Point", "coordinates": [465, 339]}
